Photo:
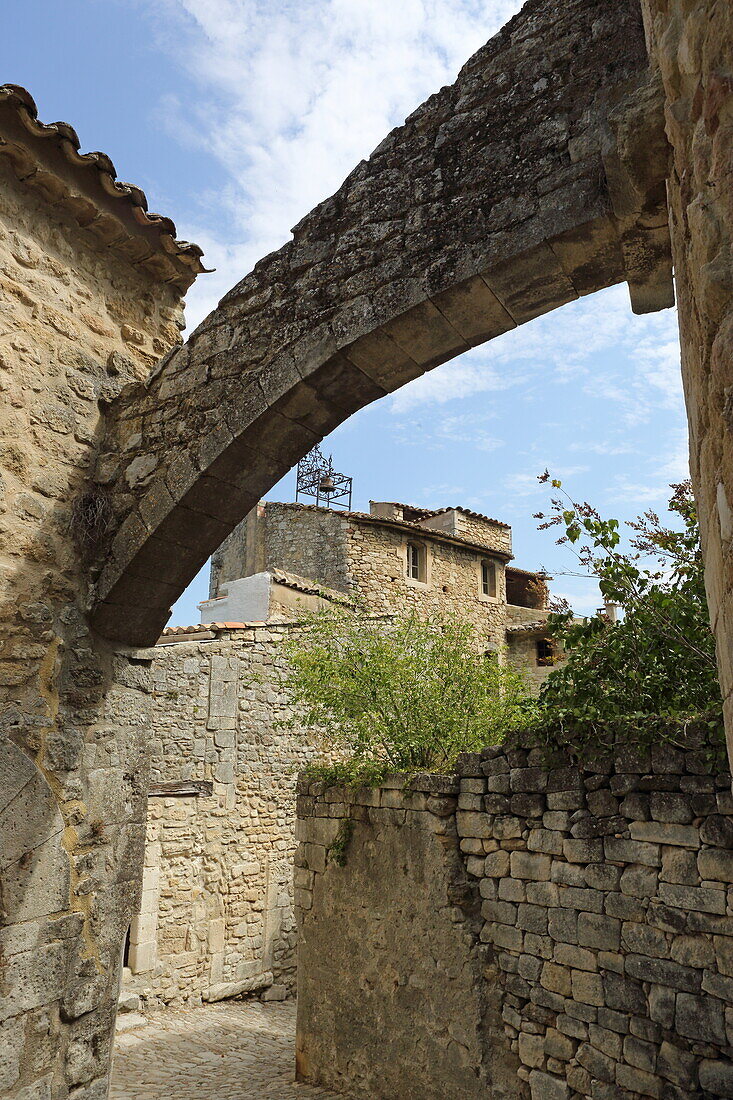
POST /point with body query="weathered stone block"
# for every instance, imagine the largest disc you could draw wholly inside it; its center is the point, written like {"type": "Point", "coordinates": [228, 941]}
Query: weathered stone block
{"type": "Point", "coordinates": [716, 1077]}
{"type": "Point", "coordinates": [587, 988]}
{"type": "Point", "coordinates": [545, 840]}
{"type": "Point", "coordinates": [599, 876]}
{"type": "Point", "coordinates": [496, 865]}
{"type": "Point", "coordinates": [662, 1005]}
{"type": "Point", "coordinates": [663, 972]}
{"type": "Point", "coordinates": [669, 807]}
{"type": "Point", "coordinates": [543, 893]}
{"type": "Point", "coordinates": [639, 881]}
{"type": "Point", "coordinates": [557, 979]}
{"type": "Point", "coordinates": [562, 925]}
{"type": "Point", "coordinates": [531, 1049]}
{"type": "Point", "coordinates": [699, 1016]}
{"type": "Point", "coordinates": [583, 851]}
{"type": "Point", "coordinates": [545, 1087]}
{"type": "Point", "coordinates": [699, 899]}
{"type": "Point", "coordinates": [717, 864]}
{"type": "Point", "coordinates": [624, 995]}
{"type": "Point", "coordinates": [632, 851]}
{"type": "Point", "coordinates": [473, 824]}
{"type": "Point", "coordinates": [637, 1080]}
{"type": "Point", "coordinates": [571, 897]}
{"type": "Point", "coordinates": [717, 830]}
{"type": "Point", "coordinates": [677, 1065]}
{"type": "Point", "coordinates": [684, 836]}
{"type": "Point", "coordinates": [599, 1065]}
{"type": "Point", "coordinates": [532, 918]}
{"type": "Point", "coordinates": [641, 939]}
{"type": "Point", "coordinates": [679, 866]}
{"type": "Point", "coordinates": [529, 865]}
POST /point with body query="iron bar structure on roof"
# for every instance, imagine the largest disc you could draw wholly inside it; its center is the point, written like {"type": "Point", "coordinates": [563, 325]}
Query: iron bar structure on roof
{"type": "Point", "coordinates": [316, 478]}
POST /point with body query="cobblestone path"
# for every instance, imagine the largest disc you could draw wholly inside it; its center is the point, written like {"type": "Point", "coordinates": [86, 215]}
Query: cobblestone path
{"type": "Point", "coordinates": [239, 1050]}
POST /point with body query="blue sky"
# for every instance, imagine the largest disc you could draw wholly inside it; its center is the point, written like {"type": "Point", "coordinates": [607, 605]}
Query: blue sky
{"type": "Point", "coordinates": [237, 116]}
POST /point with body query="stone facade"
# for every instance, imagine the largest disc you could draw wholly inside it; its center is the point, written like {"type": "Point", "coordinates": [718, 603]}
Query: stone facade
{"type": "Point", "coordinates": [603, 941]}
{"type": "Point", "coordinates": [91, 299]}
{"type": "Point", "coordinates": [216, 915]}
{"type": "Point", "coordinates": [206, 929]}
{"type": "Point", "coordinates": [364, 557]}
{"type": "Point", "coordinates": [690, 47]}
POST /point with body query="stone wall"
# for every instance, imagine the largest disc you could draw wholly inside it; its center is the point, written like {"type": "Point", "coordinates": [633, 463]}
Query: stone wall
{"type": "Point", "coordinates": [81, 321]}
{"type": "Point", "coordinates": [392, 998]}
{"type": "Point", "coordinates": [217, 911]}
{"type": "Point", "coordinates": [607, 921]}
{"type": "Point", "coordinates": [522, 654]}
{"type": "Point", "coordinates": [690, 46]}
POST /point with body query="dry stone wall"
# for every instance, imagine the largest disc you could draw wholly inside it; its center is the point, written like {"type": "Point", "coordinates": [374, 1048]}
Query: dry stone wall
{"type": "Point", "coordinates": [392, 999]}
{"type": "Point", "coordinates": [217, 916]}
{"type": "Point", "coordinates": [606, 902]}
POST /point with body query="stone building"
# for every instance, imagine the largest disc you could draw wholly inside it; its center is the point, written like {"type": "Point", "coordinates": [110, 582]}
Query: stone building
{"type": "Point", "coordinates": [396, 558]}
{"type": "Point", "coordinates": [91, 290]}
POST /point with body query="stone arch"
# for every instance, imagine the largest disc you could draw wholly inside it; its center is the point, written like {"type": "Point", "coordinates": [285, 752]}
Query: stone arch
{"type": "Point", "coordinates": [538, 177]}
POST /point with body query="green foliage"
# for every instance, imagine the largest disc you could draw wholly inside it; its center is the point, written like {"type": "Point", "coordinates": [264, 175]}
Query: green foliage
{"type": "Point", "coordinates": [337, 851]}
{"type": "Point", "coordinates": [404, 694]}
{"type": "Point", "coordinates": [654, 673]}
{"type": "Point", "coordinates": [351, 773]}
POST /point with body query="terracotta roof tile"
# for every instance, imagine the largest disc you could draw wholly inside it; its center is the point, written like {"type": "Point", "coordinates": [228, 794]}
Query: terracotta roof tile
{"type": "Point", "coordinates": [528, 628]}
{"type": "Point", "coordinates": [179, 260]}
{"type": "Point", "coordinates": [428, 513]}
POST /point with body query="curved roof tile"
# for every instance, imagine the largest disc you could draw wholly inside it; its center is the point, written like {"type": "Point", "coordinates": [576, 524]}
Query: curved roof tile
{"type": "Point", "coordinates": [101, 176]}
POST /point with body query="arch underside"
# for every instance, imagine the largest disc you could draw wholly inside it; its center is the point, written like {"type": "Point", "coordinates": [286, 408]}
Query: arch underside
{"type": "Point", "coordinates": [516, 190]}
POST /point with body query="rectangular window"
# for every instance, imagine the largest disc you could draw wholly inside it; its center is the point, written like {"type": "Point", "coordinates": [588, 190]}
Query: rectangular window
{"type": "Point", "coordinates": [488, 578]}
{"type": "Point", "coordinates": [413, 561]}
{"type": "Point", "coordinates": [545, 652]}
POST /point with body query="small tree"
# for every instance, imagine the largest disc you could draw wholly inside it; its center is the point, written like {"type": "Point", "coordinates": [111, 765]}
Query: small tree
{"type": "Point", "coordinates": [653, 674]}
{"type": "Point", "coordinates": [404, 694]}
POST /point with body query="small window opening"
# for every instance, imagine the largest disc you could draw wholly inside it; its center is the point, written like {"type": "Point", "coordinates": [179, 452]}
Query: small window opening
{"type": "Point", "coordinates": [545, 652]}
{"type": "Point", "coordinates": [488, 578]}
{"type": "Point", "coordinates": [415, 561]}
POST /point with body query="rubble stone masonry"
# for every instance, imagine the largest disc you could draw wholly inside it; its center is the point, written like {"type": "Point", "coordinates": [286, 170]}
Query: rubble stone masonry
{"type": "Point", "coordinates": [589, 927]}
{"type": "Point", "coordinates": [80, 322]}
{"type": "Point", "coordinates": [216, 916]}
{"type": "Point", "coordinates": [690, 45]}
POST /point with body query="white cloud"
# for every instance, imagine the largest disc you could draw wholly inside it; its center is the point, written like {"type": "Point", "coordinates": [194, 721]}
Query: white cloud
{"type": "Point", "coordinates": [653, 490]}
{"type": "Point", "coordinates": [527, 484]}
{"type": "Point", "coordinates": [461, 378]}
{"type": "Point", "coordinates": [565, 348]}
{"type": "Point", "coordinates": [584, 597]}
{"type": "Point", "coordinates": [468, 429]}
{"type": "Point", "coordinates": [602, 447]}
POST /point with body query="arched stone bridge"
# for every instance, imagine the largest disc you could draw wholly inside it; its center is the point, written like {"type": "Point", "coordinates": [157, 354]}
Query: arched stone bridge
{"type": "Point", "coordinates": [537, 177]}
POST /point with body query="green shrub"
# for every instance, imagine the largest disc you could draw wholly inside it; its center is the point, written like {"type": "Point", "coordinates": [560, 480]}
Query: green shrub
{"type": "Point", "coordinates": [404, 694]}
{"type": "Point", "coordinates": [653, 674]}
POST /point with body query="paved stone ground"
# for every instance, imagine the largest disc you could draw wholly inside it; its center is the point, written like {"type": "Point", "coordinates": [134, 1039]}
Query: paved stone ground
{"type": "Point", "coordinates": [234, 1050]}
